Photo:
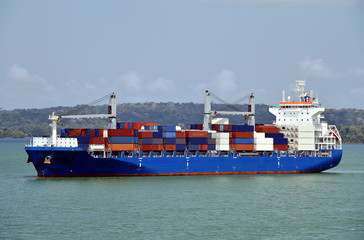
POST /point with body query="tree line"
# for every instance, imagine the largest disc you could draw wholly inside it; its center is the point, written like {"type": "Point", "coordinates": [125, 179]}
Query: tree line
{"type": "Point", "coordinates": [20, 123]}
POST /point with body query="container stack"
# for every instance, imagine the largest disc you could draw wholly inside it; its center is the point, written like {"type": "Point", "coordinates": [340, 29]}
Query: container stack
{"type": "Point", "coordinates": [197, 140]}
{"type": "Point", "coordinates": [173, 138]}
{"type": "Point", "coordinates": [122, 140]}
{"type": "Point", "coordinates": [222, 141]}
{"type": "Point", "coordinates": [261, 143]}
{"type": "Point", "coordinates": [241, 137]}
{"type": "Point", "coordinates": [150, 140]}
{"type": "Point", "coordinates": [280, 143]}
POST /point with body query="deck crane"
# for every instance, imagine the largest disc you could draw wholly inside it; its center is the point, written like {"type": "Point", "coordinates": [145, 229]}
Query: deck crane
{"type": "Point", "coordinates": [210, 114]}
{"type": "Point", "coordinates": [111, 115]}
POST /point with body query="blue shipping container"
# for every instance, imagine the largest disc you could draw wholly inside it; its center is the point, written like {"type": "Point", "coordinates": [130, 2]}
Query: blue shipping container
{"type": "Point", "coordinates": [280, 141]}
{"type": "Point", "coordinates": [193, 147]}
{"type": "Point", "coordinates": [241, 128]}
{"type": "Point", "coordinates": [121, 140]}
{"type": "Point", "coordinates": [180, 147]}
{"type": "Point", "coordinates": [171, 141]}
{"type": "Point", "coordinates": [197, 140]}
{"type": "Point", "coordinates": [242, 141]}
{"type": "Point", "coordinates": [211, 147]}
{"type": "Point", "coordinates": [169, 134]}
{"type": "Point", "coordinates": [274, 135]}
{"type": "Point", "coordinates": [157, 135]}
{"type": "Point", "coordinates": [146, 140]}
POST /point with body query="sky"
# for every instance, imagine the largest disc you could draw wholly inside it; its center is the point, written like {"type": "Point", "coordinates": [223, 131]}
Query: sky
{"type": "Point", "coordinates": [65, 53]}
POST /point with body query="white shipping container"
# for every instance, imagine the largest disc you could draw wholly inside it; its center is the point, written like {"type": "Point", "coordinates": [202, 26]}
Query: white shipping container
{"type": "Point", "coordinates": [222, 147]}
{"type": "Point", "coordinates": [220, 135]}
{"type": "Point", "coordinates": [259, 135]}
{"type": "Point", "coordinates": [222, 141]}
{"type": "Point", "coordinates": [263, 147]}
{"type": "Point", "coordinates": [263, 141]}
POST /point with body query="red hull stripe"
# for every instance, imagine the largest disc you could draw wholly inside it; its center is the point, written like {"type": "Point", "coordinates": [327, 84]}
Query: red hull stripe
{"type": "Point", "coordinates": [180, 174]}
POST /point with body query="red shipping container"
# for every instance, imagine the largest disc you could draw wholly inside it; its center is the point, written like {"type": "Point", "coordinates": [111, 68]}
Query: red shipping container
{"type": "Point", "coordinates": [151, 147]}
{"type": "Point", "coordinates": [197, 134]}
{"type": "Point", "coordinates": [97, 140]}
{"type": "Point", "coordinates": [280, 147]}
{"type": "Point", "coordinates": [266, 129]}
{"type": "Point", "coordinates": [138, 125]}
{"type": "Point", "coordinates": [170, 147]}
{"type": "Point", "coordinates": [242, 147]}
{"type": "Point", "coordinates": [121, 132]}
{"type": "Point", "coordinates": [145, 134]}
{"type": "Point", "coordinates": [180, 134]}
{"type": "Point", "coordinates": [242, 134]}
{"type": "Point", "coordinates": [92, 133]}
{"type": "Point", "coordinates": [203, 147]}
{"type": "Point", "coordinates": [226, 127]}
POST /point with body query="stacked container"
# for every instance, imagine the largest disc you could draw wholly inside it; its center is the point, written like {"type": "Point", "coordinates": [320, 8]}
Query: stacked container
{"type": "Point", "coordinates": [197, 140]}
{"type": "Point", "coordinates": [261, 143]}
{"type": "Point", "coordinates": [222, 141]}
{"type": "Point", "coordinates": [121, 140]}
{"type": "Point", "coordinates": [280, 143]}
{"type": "Point", "coordinates": [173, 138]}
{"type": "Point", "coordinates": [241, 137]}
{"type": "Point", "coordinates": [150, 141]}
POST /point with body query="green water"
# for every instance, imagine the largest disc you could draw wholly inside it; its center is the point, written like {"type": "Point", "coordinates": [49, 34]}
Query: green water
{"type": "Point", "coordinates": [328, 205]}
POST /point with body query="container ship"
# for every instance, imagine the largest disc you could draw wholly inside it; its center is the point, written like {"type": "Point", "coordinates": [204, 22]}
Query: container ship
{"type": "Point", "coordinates": [296, 142]}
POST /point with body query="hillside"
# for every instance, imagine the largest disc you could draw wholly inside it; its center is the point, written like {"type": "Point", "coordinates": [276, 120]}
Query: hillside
{"type": "Point", "coordinates": [34, 122]}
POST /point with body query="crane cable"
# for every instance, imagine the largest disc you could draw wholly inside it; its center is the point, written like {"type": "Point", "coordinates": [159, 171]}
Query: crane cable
{"type": "Point", "coordinates": [230, 105]}
{"type": "Point", "coordinates": [85, 106]}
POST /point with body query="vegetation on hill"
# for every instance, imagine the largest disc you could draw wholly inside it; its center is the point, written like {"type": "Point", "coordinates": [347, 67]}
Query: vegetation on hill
{"type": "Point", "coordinates": [34, 122]}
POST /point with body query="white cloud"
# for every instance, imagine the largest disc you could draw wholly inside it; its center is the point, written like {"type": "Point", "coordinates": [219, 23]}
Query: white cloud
{"type": "Point", "coordinates": [223, 85]}
{"type": "Point", "coordinates": [316, 68]}
{"type": "Point", "coordinates": [130, 82]}
{"type": "Point", "coordinates": [359, 72]}
{"type": "Point", "coordinates": [166, 86]}
{"type": "Point", "coordinates": [20, 74]}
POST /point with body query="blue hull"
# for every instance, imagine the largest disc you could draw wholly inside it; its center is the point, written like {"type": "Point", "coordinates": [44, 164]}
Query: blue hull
{"type": "Point", "coordinates": [74, 162]}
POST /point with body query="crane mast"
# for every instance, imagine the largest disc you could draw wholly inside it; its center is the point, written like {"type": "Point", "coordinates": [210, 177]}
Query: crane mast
{"type": "Point", "coordinates": [210, 114]}
{"type": "Point", "coordinates": [111, 115]}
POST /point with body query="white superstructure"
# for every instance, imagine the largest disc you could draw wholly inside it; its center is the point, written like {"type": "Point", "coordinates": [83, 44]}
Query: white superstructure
{"type": "Point", "coordinates": [300, 122]}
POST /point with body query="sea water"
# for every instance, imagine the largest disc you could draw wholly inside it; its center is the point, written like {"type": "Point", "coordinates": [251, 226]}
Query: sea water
{"type": "Point", "coordinates": [327, 205]}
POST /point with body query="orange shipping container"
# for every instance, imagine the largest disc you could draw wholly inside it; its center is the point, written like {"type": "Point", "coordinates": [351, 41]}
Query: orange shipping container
{"type": "Point", "coordinates": [197, 134]}
{"type": "Point", "coordinates": [151, 147]}
{"type": "Point", "coordinates": [170, 147]}
{"type": "Point", "coordinates": [122, 147]}
{"type": "Point", "coordinates": [242, 147]}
